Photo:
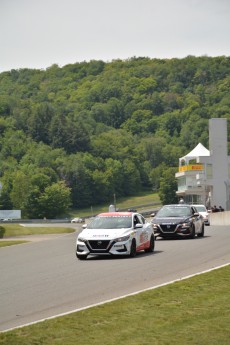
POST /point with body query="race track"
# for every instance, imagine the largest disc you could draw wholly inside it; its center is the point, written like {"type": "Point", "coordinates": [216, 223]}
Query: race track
{"type": "Point", "coordinates": [43, 278]}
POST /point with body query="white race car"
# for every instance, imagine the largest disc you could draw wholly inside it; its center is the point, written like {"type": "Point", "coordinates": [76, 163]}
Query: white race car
{"type": "Point", "coordinates": [115, 233]}
{"type": "Point", "coordinates": [203, 211]}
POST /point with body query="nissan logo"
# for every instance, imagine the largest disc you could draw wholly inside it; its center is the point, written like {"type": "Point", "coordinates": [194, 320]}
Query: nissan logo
{"type": "Point", "coordinates": [99, 243]}
{"type": "Point", "coordinates": [168, 226]}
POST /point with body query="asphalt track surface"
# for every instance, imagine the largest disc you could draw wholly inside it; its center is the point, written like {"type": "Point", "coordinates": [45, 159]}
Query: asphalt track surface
{"type": "Point", "coordinates": [43, 278]}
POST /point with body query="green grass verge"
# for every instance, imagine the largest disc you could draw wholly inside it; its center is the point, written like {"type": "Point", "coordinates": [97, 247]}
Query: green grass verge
{"type": "Point", "coordinates": [11, 243]}
{"type": "Point", "coordinates": [194, 311]}
{"type": "Point", "coordinates": [144, 198]}
{"type": "Point", "coordinates": [10, 230]}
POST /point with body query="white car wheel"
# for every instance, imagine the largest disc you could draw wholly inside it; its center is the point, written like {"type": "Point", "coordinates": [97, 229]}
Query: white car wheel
{"type": "Point", "coordinates": [133, 249]}
{"type": "Point", "coordinates": [151, 246]}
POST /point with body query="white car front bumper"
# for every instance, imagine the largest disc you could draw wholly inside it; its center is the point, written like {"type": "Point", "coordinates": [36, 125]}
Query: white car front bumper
{"type": "Point", "coordinates": [103, 247]}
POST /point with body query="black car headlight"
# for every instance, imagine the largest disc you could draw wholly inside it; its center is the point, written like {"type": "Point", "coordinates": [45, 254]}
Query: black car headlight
{"type": "Point", "coordinates": [122, 239]}
{"type": "Point", "coordinates": [186, 224]}
{"type": "Point", "coordinates": [155, 226]}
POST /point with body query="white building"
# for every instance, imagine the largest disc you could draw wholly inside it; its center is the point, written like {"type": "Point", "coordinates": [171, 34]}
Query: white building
{"type": "Point", "coordinates": [204, 175]}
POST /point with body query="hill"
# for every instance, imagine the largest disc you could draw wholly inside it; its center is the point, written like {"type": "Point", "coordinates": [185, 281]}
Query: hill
{"type": "Point", "coordinates": [74, 136]}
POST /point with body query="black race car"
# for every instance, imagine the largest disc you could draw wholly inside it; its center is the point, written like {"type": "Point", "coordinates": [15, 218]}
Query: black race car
{"type": "Point", "coordinates": [179, 220]}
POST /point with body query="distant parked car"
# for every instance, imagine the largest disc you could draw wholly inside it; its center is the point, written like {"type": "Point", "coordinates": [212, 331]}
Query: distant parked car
{"type": "Point", "coordinates": [204, 212]}
{"type": "Point", "coordinates": [178, 220]}
{"type": "Point", "coordinates": [77, 220]}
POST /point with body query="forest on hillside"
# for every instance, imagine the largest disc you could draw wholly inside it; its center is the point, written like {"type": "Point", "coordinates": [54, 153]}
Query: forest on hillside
{"type": "Point", "coordinates": [74, 136]}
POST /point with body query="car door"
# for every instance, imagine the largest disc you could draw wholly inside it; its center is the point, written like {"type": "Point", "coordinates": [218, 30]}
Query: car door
{"type": "Point", "coordinates": [142, 232]}
{"type": "Point", "coordinates": [197, 220]}
{"type": "Point", "coordinates": [137, 225]}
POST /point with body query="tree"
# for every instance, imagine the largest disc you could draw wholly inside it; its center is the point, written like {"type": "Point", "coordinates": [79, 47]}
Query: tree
{"type": "Point", "coordinates": [76, 171]}
{"type": "Point", "coordinates": [191, 135]}
{"type": "Point", "coordinates": [115, 177]}
{"type": "Point", "coordinates": [155, 175]}
{"type": "Point", "coordinates": [152, 149]}
{"type": "Point", "coordinates": [32, 208]}
{"type": "Point", "coordinates": [55, 201]}
{"type": "Point", "coordinates": [116, 144]}
{"type": "Point", "coordinates": [104, 127]}
{"type": "Point", "coordinates": [68, 133]}
{"type": "Point", "coordinates": [77, 137]}
{"type": "Point", "coordinates": [25, 187]}
{"type": "Point", "coordinates": [14, 143]}
{"type": "Point", "coordinates": [168, 187]}
{"type": "Point", "coordinates": [20, 190]}
{"type": "Point", "coordinates": [6, 185]}
{"type": "Point", "coordinates": [131, 178]}
{"type": "Point", "coordinates": [39, 122]}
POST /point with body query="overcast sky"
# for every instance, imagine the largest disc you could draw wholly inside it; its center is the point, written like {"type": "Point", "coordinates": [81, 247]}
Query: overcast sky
{"type": "Point", "coordinates": [39, 33]}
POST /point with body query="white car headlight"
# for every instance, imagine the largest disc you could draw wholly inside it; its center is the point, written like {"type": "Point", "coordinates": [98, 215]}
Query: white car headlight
{"type": "Point", "coordinates": [122, 239]}
{"type": "Point", "coordinates": [81, 239]}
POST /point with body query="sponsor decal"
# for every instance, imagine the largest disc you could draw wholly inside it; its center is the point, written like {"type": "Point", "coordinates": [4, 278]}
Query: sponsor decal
{"type": "Point", "coordinates": [143, 237]}
{"type": "Point", "coordinates": [143, 246]}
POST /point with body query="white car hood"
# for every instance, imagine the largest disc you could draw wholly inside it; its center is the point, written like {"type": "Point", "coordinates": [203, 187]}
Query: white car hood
{"type": "Point", "coordinates": [204, 214]}
{"type": "Point", "coordinates": [104, 234]}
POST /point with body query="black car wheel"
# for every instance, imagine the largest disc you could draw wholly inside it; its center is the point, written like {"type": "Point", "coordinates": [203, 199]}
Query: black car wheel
{"type": "Point", "coordinates": [151, 246]}
{"type": "Point", "coordinates": [133, 249]}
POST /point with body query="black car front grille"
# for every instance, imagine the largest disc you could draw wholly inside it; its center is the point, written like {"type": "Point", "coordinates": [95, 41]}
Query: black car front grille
{"type": "Point", "coordinates": [99, 244]}
{"type": "Point", "coordinates": [168, 228]}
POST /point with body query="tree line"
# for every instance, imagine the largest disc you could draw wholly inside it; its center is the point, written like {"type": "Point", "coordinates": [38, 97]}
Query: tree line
{"type": "Point", "coordinates": [74, 136]}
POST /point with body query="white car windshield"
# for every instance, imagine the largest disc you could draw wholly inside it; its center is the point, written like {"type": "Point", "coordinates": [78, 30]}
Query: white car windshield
{"type": "Point", "coordinates": [111, 222]}
{"type": "Point", "coordinates": [174, 211]}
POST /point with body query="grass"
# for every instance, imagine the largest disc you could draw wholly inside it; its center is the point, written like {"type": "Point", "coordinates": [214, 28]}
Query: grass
{"type": "Point", "coordinates": [10, 230]}
{"type": "Point", "coordinates": [192, 312]}
{"type": "Point", "coordinates": [11, 243]}
{"type": "Point", "coordinates": [139, 202]}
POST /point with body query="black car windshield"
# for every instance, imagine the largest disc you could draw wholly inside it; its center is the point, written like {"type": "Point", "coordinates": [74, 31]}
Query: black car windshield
{"type": "Point", "coordinates": [111, 222]}
{"type": "Point", "coordinates": [174, 211]}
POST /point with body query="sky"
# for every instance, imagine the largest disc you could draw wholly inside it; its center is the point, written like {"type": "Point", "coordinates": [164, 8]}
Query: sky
{"type": "Point", "coordinates": [40, 33]}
